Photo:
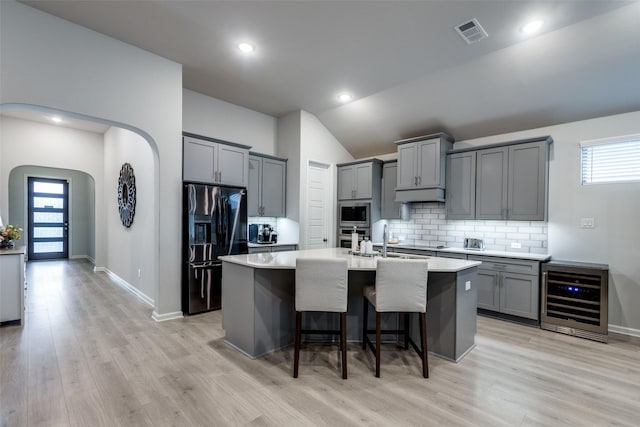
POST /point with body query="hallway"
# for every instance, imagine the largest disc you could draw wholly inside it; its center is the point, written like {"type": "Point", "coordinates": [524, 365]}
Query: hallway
{"type": "Point", "coordinates": [90, 355]}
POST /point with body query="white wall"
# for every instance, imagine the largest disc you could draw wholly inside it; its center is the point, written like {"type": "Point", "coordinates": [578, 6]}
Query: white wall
{"type": "Point", "coordinates": [27, 143]}
{"type": "Point", "coordinates": [214, 118]}
{"type": "Point", "coordinates": [319, 145]}
{"type": "Point", "coordinates": [50, 62]}
{"type": "Point", "coordinates": [615, 207]}
{"type": "Point", "coordinates": [128, 249]}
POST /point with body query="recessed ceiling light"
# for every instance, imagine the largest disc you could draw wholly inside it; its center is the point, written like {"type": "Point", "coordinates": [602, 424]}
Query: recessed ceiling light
{"type": "Point", "coordinates": [246, 47]}
{"type": "Point", "coordinates": [533, 26]}
{"type": "Point", "coordinates": [345, 97]}
{"type": "Point", "coordinates": [56, 119]}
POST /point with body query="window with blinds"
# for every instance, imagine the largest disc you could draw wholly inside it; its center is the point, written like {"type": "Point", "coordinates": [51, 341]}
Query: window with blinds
{"type": "Point", "coordinates": [610, 160]}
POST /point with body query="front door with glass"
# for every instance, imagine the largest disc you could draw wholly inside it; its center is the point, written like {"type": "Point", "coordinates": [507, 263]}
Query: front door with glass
{"type": "Point", "coordinates": [48, 218]}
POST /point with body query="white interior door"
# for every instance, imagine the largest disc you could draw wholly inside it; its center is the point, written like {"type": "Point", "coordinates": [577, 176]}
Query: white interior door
{"type": "Point", "coordinates": [317, 206]}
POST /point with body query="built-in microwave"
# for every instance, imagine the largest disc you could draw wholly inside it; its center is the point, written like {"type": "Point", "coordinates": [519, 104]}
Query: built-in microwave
{"type": "Point", "coordinates": [354, 213]}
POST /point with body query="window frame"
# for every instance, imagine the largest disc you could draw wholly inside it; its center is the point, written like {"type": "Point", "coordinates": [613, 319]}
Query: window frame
{"type": "Point", "coordinates": [600, 142]}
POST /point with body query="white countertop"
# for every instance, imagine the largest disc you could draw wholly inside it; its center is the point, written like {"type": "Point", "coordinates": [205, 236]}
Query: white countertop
{"type": "Point", "coordinates": [502, 254]}
{"type": "Point", "coordinates": [287, 260]}
{"type": "Point", "coordinates": [260, 245]}
{"type": "Point", "coordinates": [17, 250]}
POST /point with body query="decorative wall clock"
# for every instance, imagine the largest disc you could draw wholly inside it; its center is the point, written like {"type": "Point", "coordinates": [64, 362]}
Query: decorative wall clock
{"type": "Point", "coordinates": [127, 195]}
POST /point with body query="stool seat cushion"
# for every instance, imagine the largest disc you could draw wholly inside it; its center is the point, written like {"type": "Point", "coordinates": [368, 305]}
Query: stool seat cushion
{"type": "Point", "coordinates": [321, 284]}
{"type": "Point", "coordinates": [401, 285]}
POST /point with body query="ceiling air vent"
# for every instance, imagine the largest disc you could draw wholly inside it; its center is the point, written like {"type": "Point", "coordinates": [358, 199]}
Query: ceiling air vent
{"type": "Point", "coordinates": [471, 31]}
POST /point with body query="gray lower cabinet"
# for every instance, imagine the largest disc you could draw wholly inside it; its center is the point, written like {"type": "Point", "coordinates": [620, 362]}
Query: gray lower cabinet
{"type": "Point", "coordinates": [208, 160]}
{"type": "Point", "coordinates": [390, 209]}
{"type": "Point", "coordinates": [508, 286]}
{"type": "Point", "coordinates": [278, 248]}
{"type": "Point", "coordinates": [267, 186]}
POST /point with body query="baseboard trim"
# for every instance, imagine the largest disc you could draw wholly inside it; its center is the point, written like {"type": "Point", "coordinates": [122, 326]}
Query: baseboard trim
{"type": "Point", "coordinates": [125, 285]}
{"type": "Point", "coordinates": [167, 316]}
{"type": "Point", "coordinates": [87, 257]}
{"type": "Point", "coordinates": [624, 330]}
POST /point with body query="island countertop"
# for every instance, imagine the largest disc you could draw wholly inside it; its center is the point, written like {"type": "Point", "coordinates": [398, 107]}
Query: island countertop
{"type": "Point", "coordinates": [287, 260]}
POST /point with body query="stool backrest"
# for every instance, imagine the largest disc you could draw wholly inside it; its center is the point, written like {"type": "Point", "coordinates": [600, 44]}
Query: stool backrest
{"type": "Point", "coordinates": [321, 284]}
{"type": "Point", "coordinates": [401, 285]}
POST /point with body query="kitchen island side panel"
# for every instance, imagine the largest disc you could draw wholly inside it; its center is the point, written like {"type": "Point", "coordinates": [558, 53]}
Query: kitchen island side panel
{"type": "Point", "coordinates": [238, 307]}
{"type": "Point", "coordinates": [274, 310]}
{"type": "Point", "coordinates": [466, 307]}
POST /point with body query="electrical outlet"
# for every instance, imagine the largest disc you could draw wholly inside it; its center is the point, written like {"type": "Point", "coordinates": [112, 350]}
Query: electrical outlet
{"type": "Point", "coordinates": [516, 245]}
{"type": "Point", "coordinates": [467, 285]}
{"type": "Point", "coordinates": [139, 273]}
{"type": "Point", "coordinates": [587, 223]}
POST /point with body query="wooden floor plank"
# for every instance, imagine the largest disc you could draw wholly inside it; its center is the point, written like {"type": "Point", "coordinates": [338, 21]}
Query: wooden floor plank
{"type": "Point", "coordinates": [90, 354]}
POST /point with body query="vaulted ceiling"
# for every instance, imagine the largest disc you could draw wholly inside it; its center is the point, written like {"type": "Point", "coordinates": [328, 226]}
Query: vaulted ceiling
{"type": "Point", "coordinates": [408, 70]}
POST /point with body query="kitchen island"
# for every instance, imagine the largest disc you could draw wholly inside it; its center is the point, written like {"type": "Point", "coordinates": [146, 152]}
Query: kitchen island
{"type": "Point", "coordinates": [258, 313]}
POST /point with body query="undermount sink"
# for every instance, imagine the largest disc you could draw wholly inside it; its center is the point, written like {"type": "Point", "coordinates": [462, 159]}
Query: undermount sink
{"type": "Point", "coordinates": [406, 256]}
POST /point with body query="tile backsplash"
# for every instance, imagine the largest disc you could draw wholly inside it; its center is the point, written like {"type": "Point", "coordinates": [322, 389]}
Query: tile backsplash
{"type": "Point", "coordinates": [427, 226]}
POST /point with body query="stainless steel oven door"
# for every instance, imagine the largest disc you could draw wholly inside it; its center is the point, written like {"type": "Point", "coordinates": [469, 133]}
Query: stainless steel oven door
{"type": "Point", "coordinates": [354, 213]}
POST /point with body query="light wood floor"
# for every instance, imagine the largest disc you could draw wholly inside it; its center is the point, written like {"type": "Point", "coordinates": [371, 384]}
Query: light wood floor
{"type": "Point", "coordinates": [90, 355]}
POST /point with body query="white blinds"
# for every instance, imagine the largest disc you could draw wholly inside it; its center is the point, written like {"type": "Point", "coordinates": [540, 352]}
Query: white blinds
{"type": "Point", "coordinates": [611, 161]}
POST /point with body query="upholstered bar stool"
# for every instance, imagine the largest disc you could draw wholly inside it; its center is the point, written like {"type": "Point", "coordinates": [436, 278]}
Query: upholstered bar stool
{"type": "Point", "coordinates": [321, 285]}
{"type": "Point", "coordinates": [400, 286]}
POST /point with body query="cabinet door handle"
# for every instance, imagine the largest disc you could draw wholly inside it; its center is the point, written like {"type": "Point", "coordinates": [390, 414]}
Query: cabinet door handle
{"type": "Point", "coordinates": [415, 181]}
{"type": "Point", "coordinates": [419, 180]}
{"type": "Point", "coordinates": [544, 292]}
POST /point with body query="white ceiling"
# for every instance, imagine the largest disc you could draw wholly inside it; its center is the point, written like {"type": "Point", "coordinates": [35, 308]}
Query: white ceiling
{"type": "Point", "coordinates": [409, 71]}
{"type": "Point", "coordinates": [45, 117]}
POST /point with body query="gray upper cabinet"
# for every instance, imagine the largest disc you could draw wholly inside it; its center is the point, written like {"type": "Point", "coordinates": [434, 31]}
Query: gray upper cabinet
{"type": "Point", "coordinates": [528, 182]}
{"type": "Point", "coordinates": [267, 186]}
{"type": "Point", "coordinates": [511, 181]}
{"type": "Point", "coordinates": [390, 209]}
{"type": "Point", "coordinates": [492, 183]}
{"type": "Point", "coordinates": [461, 185]}
{"type": "Point", "coordinates": [421, 168]}
{"type": "Point", "coordinates": [215, 162]}
{"type": "Point", "coordinates": [358, 180]}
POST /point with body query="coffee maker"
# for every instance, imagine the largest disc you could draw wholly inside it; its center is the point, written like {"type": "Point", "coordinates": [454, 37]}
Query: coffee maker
{"type": "Point", "coordinates": [264, 233]}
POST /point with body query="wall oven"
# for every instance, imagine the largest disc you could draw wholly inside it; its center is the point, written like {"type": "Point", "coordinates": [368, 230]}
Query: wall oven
{"type": "Point", "coordinates": [344, 236]}
{"type": "Point", "coordinates": [354, 213]}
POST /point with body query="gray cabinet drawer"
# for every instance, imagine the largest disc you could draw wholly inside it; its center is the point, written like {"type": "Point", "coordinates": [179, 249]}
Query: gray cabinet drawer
{"type": "Point", "coordinates": [508, 265]}
{"type": "Point", "coordinates": [284, 248]}
{"type": "Point", "coordinates": [452, 255]}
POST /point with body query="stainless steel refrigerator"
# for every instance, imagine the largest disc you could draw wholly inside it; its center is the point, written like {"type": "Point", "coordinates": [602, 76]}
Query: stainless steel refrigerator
{"type": "Point", "coordinates": [215, 224]}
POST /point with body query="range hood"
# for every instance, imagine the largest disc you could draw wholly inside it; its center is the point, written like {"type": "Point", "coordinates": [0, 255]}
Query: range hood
{"type": "Point", "coordinates": [420, 195]}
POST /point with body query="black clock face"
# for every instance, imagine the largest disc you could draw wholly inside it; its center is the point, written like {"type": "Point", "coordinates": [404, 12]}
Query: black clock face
{"type": "Point", "coordinates": [127, 195]}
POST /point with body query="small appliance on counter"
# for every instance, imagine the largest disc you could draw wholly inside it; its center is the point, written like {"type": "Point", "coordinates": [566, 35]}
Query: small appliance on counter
{"type": "Point", "coordinates": [273, 238]}
{"type": "Point", "coordinates": [475, 244]}
{"type": "Point", "coordinates": [264, 233]}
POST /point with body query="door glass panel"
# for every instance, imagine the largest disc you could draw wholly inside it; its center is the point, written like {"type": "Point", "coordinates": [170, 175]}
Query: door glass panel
{"type": "Point", "coordinates": [48, 187]}
{"type": "Point", "coordinates": [48, 232]}
{"type": "Point", "coordinates": [47, 217]}
{"type": "Point", "coordinates": [48, 202]}
{"type": "Point", "coordinates": [39, 247]}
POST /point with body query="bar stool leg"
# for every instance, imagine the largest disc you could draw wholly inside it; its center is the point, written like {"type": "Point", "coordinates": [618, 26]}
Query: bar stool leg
{"type": "Point", "coordinates": [423, 336]}
{"type": "Point", "coordinates": [378, 339]}
{"type": "Point", "coordinates": [343, 341]}
{"type": "Point", "coordinates": [296, 351]}
{"type": "Point", "coordinates": [365, 321]}
{"type": "Point", "coordinates": [406, 331]}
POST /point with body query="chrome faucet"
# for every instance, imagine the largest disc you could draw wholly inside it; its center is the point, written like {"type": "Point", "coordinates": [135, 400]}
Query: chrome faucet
{"type": "Point", "coordinates": [384, 241]}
